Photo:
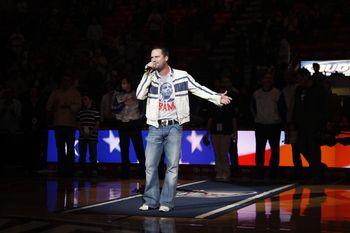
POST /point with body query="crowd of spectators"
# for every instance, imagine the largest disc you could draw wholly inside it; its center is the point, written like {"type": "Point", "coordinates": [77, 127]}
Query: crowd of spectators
{"type": "Point", "coordinates": [100, 42]}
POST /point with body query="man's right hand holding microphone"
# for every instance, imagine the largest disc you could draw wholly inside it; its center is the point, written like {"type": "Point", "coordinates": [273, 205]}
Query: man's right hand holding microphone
{"type": "Point", "coordinates": [150, 67]}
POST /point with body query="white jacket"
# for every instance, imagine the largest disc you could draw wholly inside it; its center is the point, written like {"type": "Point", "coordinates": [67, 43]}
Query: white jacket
{"type": "Point", "coordinates": [183, 82]}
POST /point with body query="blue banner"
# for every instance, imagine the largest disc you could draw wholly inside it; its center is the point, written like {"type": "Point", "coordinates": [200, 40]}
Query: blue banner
{"type": "Point", "coordinates": [108, 148]}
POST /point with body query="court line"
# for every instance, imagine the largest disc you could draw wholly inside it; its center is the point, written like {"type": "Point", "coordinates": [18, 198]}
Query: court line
{"type": "Point", "coordinates": [121, 199]}
{"type": "Point", "coordinates": [216, 211]}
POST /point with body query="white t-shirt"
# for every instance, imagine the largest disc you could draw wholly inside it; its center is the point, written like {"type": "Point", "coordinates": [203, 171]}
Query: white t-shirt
{"type": "Point", "coordinates": [166, 90]}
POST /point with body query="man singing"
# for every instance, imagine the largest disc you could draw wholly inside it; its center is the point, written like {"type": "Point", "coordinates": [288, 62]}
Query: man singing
{"type": "Point", "coordinates": [166, 90]}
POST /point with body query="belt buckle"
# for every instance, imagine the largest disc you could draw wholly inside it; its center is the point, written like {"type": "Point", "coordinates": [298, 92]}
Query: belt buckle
{"type": "Point", "coordinates": [164, 122]}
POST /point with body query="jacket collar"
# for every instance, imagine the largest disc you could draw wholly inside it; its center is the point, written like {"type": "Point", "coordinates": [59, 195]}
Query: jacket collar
{"type": "Point", "coordinates": [171, 73]}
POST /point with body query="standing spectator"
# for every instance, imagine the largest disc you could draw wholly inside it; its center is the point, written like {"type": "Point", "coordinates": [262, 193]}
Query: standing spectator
{"type": "Point", "coordinates": [34, 127]}
{"type": "Point", "coordinates": [233, 150]}
{"type": "Point", "coordinates": [317, 74]}
{"type": "Point", "coordinates": [130, 123]}
{"type": "Point", "coordinates": [311, 112]}
{"type": "Point", "coordinates": [89, 122]}
{"type": "Point", "coordinates": [63, 105]}
{"type": "Point", "coordinates": [10, 111]}
{"type": "Point", "coordinates": [222, 126]}
{"type": "Point", "coordinates": [10, 115]}
{"type": "Point", "coordinates": [108, 119]}
{"type": "Point", "coordinates": [268, 108]}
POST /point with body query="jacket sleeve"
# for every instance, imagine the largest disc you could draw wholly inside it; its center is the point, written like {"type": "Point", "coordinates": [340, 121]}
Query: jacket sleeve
{"type": "Point", "coordinates": [203, 92]}
{"type": "Point", "coordinates": [143, 87]}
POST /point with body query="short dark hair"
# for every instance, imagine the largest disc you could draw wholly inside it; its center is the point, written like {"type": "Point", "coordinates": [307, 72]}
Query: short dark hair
{"type": "Point", "coordinates": [87, 94]}
{"type": "Point", "coordinates": [315, 65]}
{"type": "Point", "coordinates": [128, 79]}
{"type": "Point", "coordinates": [165, 51]}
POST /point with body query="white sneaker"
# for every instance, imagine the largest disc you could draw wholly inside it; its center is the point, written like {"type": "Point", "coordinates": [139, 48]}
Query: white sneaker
{"type": "Point", "coordinates": [164, 208]}
{"type": "Point", "coordinates": [144, 207]}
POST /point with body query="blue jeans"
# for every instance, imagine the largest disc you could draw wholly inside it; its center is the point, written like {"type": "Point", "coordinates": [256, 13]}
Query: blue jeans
{"type": "Point", "coordinates": [169, 139]}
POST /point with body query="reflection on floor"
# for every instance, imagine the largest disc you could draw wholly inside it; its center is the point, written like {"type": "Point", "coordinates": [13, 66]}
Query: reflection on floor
{"type": "Point", "coordinates": [36, 204]}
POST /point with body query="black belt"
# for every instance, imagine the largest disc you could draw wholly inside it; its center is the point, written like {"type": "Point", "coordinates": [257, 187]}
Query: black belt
{"type": "Point", "coordinates": [167, 122]}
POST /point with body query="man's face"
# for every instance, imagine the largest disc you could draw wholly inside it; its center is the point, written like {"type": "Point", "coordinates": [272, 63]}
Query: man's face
{"type": "Point", "coordinates": [158, 58]}
{"type": "Point", "coordinates": [66, 82]}
{"type": "Point", "coordinates": [86, 101]}
{"type": "Point", "coordinates": [166, 90]}
{"type": "Point", "coordinates": [267, 81]}
{"type": "Point", "coordinates": [125, 85]}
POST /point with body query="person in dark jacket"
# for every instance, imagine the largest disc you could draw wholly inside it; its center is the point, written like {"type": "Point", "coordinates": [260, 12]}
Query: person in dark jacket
{"type": "Point", "coordinates": [310, 116]}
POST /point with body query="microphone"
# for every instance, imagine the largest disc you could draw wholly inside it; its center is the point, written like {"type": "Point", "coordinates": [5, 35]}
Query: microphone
{"type": "Point", "coordinates": [148, 69]}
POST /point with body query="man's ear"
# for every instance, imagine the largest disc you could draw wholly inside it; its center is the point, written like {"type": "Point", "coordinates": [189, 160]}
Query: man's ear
{"type": "Point", "coordinates": [166, 58]}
